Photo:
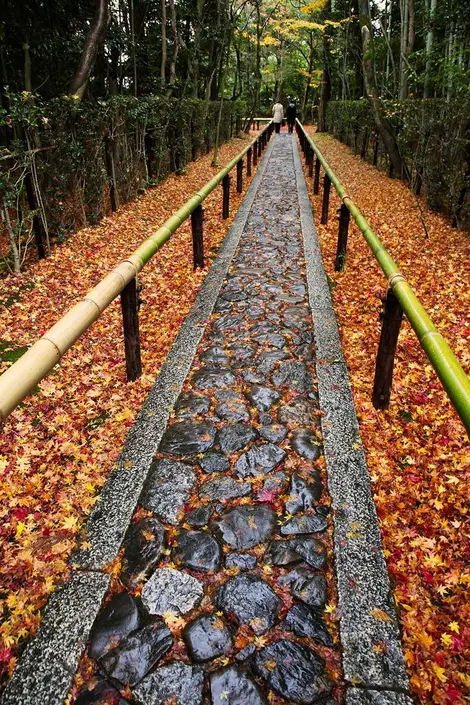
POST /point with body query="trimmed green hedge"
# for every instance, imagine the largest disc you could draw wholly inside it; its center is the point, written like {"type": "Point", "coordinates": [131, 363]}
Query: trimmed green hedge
{"type": "Point", "coordinates": [433, 137]}
{"type": "Point", "coordinates": [85, 159]}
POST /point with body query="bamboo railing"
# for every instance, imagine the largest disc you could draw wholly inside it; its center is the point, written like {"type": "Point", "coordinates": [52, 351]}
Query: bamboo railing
{"type": "Point", "coordinates": [454, 380]}
{"type": "Point", "coordinates": [18, 381]}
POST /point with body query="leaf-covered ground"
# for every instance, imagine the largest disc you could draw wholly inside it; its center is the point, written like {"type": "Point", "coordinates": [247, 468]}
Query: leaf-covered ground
{"type": "Point", "coordinates": [58, 447]}
{"type": "Point", "coordinates": [418, 452]}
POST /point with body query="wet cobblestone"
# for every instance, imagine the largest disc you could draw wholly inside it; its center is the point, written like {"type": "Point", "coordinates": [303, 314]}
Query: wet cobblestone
{"type": "Point", "coordinates": [230, 544]}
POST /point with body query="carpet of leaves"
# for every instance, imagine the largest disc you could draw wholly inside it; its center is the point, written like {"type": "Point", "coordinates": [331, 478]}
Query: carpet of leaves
{"type": "Point", "coordinates": [417, 450]}
{"type": "Point", "coordinates": [58, 447]}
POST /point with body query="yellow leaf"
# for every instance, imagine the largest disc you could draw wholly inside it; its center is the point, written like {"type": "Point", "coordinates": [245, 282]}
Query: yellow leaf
{"type": "Point", "coordinates": [453, 626]}
{"type": "Point", "coordinates": [69, 522]}
{"type": "Point", "coordinates": [20, 527]}
{"type": "Point", "coordinates": [446, 639]}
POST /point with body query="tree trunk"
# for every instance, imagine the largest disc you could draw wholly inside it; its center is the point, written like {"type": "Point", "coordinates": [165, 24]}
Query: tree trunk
{"type": "Point", "coordinates": [403, 48]}
{"type": "Point", "coordinates": [378, 112]}
{"type": "Point", "coordinates": [307, 84]}
{"type": "Point", "coordinates": [27, 67]}
{"type": "Point", "coordinates": [325, 91]}
{"type": "Point", "coordinates": [222, 86]}
{"type": "Point", "coordinates": [93, 42]}
{"type": "Point", "coordinates": [134, 62]}
{"type": "Point", "coordinates": [429, 43]}
{"type": "Point", "coordinates": [163, 62]}
{"type": "Point", "coordinates": [11, 237]}
{"type": "Point", "coordinates": [176, 46]}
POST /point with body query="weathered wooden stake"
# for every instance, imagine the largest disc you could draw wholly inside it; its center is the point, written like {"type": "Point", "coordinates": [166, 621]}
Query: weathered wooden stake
{"type": "Point", "coordinates": [249, 156]}
{"type": "Point", "coordinates": [316, 181]}
{"type": "Point", "coordinates": [255, 154]}
{"type": "Point", "coordinates": [240, 176]}
{"type": "Point", "coordinates": [326, 199]}
{"type": "Point", "coordinates": [391, 321]}
{"type": "Point", "coordinates": [342, 238]}
{"type": "Point", "coordinates": [197, 219]}
{"type": "Point", "coordinates": [130, 321]}
{"type": "Point", "coordinates": [226, 197]}
{"type": "Point", "coordinates": [311, 157]}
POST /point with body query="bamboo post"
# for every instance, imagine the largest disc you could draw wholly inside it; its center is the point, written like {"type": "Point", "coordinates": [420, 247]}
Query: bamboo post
{"type": "Point", "coordinates": [255, 154]}
{"type": "Point", "coordinates": [197, 220]}
{"type": "Point", "coordinates": [311, 156]}
{"type": "Point", "coordinates": [130, 321]}
{"type": "Point", "coordinates": [240, 176]}
{"type": "Point", "coordinates": [316, 180]}
{"type": "Point", "coordinates": [342, 238]}
{"type": "Point", "coordinates": [326, 199]}
{"type": "Point", "coordinates": [249, 156]}
{"type": "Point", "coordinates": [391, 321]}
{"type": "Point", "coordinates": [226, 197]}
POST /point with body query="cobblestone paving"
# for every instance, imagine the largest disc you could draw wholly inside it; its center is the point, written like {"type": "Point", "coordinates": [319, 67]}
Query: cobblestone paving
{"type": "Point", "coordinates": [227, 566]}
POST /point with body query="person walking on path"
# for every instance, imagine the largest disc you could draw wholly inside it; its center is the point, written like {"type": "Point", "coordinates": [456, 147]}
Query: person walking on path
{"type": "Point", "coordinates": [278, 116]}
{"type": "Point", "coordinates": [291, 115]}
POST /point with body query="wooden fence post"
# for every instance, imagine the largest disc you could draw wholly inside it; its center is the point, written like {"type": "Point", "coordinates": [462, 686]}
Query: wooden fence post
{"type": "Point", "coordinates": [326, 199]}
{"type": "Point", "coordinates": [197, 219]}
{"type": "Point", "coordinates": [342, 238]}
{"type": "Point", "coordinates": [391, 321]}
{"type": "Point", "coordinates": [240, 176]}
{"type": "Point", "coordinates": [260, 149]}
{"type": "Point", "coordinates": [226, 197]}
{"type": "Point", "coordinates": [130, 321]}
{"type": "Point", "coordinates": [255, 154]}
{"type": "Point", "coordinates": [316, 181]}
{"type": "Point", "coordinates": [311, 158]}
{"type": "Point", "coordinates": [249, 155]}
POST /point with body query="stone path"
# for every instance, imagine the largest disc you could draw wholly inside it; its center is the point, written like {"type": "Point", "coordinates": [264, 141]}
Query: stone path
{"type": "Point", "coordinates": [226, 590]}
{"type": "Point", "coordinates": [227, 550]}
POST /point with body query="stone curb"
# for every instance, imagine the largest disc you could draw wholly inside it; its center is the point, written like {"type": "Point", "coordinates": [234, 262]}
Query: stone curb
{"type": "Point", "coordinates": [48, 665]}
{"type": "Point", "coordinates": [369, 631]}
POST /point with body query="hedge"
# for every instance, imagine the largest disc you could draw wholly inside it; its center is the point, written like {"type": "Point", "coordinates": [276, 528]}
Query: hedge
{"type": "Point", "coordinates": [433, 137]}
{"type": "Point", "coordinates": [67, 163]}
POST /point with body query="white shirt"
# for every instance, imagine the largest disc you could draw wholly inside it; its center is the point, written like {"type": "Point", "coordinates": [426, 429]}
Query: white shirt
{"type": "Point", "coordinates": [278, 112]}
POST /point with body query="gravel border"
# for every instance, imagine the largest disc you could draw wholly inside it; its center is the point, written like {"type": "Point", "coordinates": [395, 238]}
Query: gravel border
{"type": "Point", "coordinates": [47, 667]}
{"type": "Point", "coordinates": [370, 637]}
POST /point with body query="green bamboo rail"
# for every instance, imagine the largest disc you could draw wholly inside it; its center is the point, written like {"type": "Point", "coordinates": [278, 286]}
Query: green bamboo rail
{"type": "Point", "coordinates": [18, 381]}
{"type": "Point", "coordinates": [453, 378]}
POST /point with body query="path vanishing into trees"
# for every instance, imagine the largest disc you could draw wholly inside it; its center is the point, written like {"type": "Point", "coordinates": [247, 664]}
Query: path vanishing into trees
{"type": "Point", "coordinates": [233, 534]}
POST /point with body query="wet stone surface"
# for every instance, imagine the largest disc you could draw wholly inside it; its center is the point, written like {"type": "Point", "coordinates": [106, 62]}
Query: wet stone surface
{"type": "Point", "coordinates": [245, 527]}
{"type": "Point", "coordinates": [234, 686]}
{"type": "Point", "coordinates": [207, 638]}
{"type": "Point", "coordinates": [295, 672]}
{"type": "Point", "coordinates": [135, 655]}
{"type": "Point", "coordinates": [143, 547]}
{"type": "Point", "coordinates": [198, 550]}
{"type": "Point", "coordinates": [250, 601]}
{"type": "Point", "coordinates": [227, 549]}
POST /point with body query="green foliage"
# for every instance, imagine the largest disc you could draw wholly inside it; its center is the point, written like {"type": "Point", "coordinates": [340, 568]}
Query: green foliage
{"type": "Point", "coordinates": [81, 152]}
{"type": "Point", "coordinates": [433, 137]}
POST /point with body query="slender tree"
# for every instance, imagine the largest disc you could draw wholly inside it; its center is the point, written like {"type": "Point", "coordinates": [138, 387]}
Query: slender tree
{"type": "Point", "coordinates": [93, 43]}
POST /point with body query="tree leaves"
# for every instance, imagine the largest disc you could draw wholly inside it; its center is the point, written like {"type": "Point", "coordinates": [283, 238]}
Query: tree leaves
{"type": "Point", "coordinates": [417, 452]}
{"type": "Point", "coordinates": [58, 447]}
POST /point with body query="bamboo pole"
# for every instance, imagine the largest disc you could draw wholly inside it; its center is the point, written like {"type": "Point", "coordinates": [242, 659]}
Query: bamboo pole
{"type": "Point", "coordinates": [18, 381]}
{"type": "Point", "coordinates": [453, 378]}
